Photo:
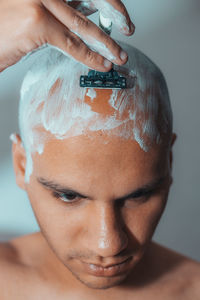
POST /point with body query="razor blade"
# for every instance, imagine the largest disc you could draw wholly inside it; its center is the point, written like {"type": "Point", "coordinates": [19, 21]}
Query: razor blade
{"type": "Point", "coordinates": [103, 80]}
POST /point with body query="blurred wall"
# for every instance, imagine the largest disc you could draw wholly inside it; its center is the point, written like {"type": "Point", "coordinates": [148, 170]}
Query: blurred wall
{"type": "Point", "coordinates": [168, 32]}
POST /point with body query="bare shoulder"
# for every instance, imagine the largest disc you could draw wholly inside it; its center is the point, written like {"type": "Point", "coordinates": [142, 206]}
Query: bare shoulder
{"type": "Point", "coordinates": [9, 268]}
{"type": "Point", "coordinates": [16, 265]}
{"type": "Point", "coordinates": [18, 251]}
{"type": "Point", "coordinates": [24, 251]}
{"type": "Point", "coordinates": [183, 273]}
{"type": "Point", "coordinates": [8, 255]}
{"type": "Point", "coordinates": [189, 274]}
{"type": "Point", "coordinates": [11, 256]}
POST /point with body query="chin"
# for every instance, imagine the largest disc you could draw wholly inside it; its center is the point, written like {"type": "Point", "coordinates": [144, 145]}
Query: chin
{"type": "Point", "coordinates": [102, 283]}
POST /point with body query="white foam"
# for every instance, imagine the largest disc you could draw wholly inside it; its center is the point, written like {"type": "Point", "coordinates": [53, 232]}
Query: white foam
{"type": "Point", "coordinates": [13, 138]}
{"type": "Point", "coordinates": [53, 102]}
{"type": "Point", "coordinates": [108, 11]}
{"type": "Point", "coordinates": [92, 94]}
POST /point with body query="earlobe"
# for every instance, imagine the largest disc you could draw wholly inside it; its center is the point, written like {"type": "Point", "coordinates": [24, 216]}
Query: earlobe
{"type": "Point", "coordinates": [19, 161]}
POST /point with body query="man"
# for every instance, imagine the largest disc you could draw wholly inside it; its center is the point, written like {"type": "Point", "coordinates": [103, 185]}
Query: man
{"type": "Point", "coordinates": [96, 165]}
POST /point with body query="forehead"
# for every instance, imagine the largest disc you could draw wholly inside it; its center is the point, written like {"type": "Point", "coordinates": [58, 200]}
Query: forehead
{"type": "Point", "coordinates": [95, 159]}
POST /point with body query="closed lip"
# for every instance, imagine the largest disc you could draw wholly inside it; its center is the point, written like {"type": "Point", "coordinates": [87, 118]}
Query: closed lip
{"type": "Point", "coordinates": [109, 265]}
{"type": "Point", "coordinates": [107, 270]}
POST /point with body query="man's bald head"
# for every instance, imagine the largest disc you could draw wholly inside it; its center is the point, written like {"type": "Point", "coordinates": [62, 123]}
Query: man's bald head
{"type": "Point", "coordinates": [53, 104]}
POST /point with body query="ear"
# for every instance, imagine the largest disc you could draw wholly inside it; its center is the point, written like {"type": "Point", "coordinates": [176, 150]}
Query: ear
{"type": "Point", "coordinates": [19, 160]}
{"type": "Point", "coordinates": [174, 137]}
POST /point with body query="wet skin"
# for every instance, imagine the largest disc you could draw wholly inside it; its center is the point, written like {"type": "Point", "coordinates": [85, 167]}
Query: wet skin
{"type": "Point", "coordinates": [106, 224]}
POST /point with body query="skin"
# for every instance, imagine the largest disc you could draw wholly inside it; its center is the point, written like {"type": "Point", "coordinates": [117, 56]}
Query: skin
{"type": "Point", "coordinates": [29, 24]}
{"type": "Point", "coordinates": [102, 226]}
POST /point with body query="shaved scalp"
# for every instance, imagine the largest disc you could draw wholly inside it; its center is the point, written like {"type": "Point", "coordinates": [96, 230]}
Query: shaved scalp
{"type": "Point", "coordinates": [52, 104]}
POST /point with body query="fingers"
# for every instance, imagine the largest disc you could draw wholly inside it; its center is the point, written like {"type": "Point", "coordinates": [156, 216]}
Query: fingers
{"type": "Point", "coordinates": [89, 33]}
{"type": "Point", "coordinates": [85, 7]}
{"type": "Point", "coordinates": [74, 47]}
{"type": "Point", "coordinates": [117, 13]}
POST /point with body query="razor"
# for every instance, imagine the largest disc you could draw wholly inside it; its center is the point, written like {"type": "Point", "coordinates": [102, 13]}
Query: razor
{"type": "Point", "coordinates": [103, 80]}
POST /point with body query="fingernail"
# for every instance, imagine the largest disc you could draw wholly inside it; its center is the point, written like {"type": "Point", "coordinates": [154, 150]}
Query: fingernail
{"type": "Point", "coordinates": [123, 55]}
{"type": "Point", "coordinates": [132, 27]}
{"type": "Point", "coordinates": [107, 63]}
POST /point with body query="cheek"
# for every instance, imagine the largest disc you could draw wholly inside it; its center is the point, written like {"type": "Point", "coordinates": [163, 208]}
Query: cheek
{"type": "Point", "coordinates": [142, 221]}
{"type": "Point", "coordinates": [59, 224]}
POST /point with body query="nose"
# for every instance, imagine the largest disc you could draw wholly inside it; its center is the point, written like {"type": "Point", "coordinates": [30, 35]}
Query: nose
{"type": "Point", "coordinates": [107, 237]}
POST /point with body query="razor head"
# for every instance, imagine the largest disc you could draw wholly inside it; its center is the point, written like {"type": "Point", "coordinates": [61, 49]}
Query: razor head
{"type": "Point", "coordinates": [103, 80]}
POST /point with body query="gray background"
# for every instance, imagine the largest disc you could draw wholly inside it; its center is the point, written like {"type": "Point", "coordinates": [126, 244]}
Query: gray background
{"type": "Point", "coordinates": [169, 33]}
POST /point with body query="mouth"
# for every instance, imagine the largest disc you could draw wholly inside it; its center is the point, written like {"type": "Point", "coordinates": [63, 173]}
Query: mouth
{"type": "Point", "coordinates": [108, 271]}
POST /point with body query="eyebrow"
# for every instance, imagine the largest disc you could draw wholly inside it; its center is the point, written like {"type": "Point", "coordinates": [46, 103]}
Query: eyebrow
{"type": "Point", "coordinates": [145, 189]}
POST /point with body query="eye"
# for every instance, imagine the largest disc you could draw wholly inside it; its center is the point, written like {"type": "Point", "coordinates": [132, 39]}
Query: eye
{"type": "Point", "coordinates": [66, 197]}
{"type": "Point", "coordinates": [141, 197]}
{"type": "Point", "coordinates": [146, 196]}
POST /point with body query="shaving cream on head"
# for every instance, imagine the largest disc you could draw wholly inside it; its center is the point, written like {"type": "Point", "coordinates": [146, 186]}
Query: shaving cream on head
{"type": "Point", "coordinates": [13, 138]}
{"type": "Point", "coordinates": [52, 104]}
{"type": "Point", "coordinates": [92, 94]}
